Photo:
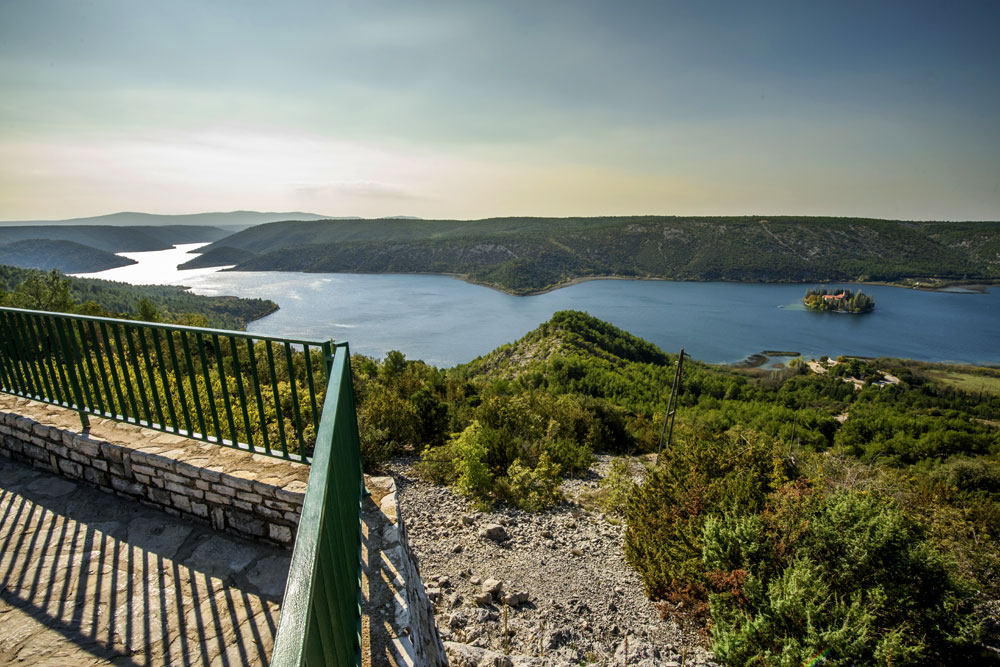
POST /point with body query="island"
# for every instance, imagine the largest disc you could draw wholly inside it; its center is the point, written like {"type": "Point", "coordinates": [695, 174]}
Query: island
{"type": "Point", "coordinates": [844, 301]}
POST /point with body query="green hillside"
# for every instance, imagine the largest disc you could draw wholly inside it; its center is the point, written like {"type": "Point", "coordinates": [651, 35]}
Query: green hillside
{"type": "Point", "coordinates": [64, 256]}
{"type": "Point", "coordinates": [28, 288]}
{"type": "Point", "coordinates": [527, 255]}
{"type": "Point", "coordinates": [792, 514]}
{"type": "Point", "coordinates": [114, 239]}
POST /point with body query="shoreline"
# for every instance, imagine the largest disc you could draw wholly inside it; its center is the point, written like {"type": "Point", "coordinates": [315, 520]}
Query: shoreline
{"type": "Point", "coordinates": [966, 287]}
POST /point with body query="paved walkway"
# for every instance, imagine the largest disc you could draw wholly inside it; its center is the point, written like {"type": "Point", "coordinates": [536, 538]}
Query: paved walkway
{"type": "Point", "coordinates": [89, 579]}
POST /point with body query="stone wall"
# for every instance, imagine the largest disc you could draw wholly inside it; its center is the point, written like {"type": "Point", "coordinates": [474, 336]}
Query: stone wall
{"type": "Point", "coordinates": [250, 495]}
{"type": "Point", "coordinates": [393, 596]}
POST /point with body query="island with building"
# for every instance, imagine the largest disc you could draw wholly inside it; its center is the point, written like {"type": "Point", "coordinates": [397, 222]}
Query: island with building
{"type": "Point", "coordinates": [844, 301]}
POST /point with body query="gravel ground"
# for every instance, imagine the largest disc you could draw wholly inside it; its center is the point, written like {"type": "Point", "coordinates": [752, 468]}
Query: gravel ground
{"type": "Point", "coordinates": [565, 596]}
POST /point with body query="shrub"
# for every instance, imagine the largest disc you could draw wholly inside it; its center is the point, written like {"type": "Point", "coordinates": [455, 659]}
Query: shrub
{"type": "Point", "coordinates": [533, 490]}
{"type": "Point", "coordinates": [616, 487]}
{"type": "Point", "coordinates": [696, 478]}
{"type": "Point", "coordinates": [848, 576]}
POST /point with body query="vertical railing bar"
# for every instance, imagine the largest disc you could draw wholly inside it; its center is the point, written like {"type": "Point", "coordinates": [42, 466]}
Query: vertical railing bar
{"type": "Point", "coordinates": [82, 331]}
{"type": "Point", "coordinates": [66, 331]}
{"type": "Point", "coordinates": [101, 351]}
{"type": "Point", "coordinates": [41, 358]}
{"type": "Point", "coordinates": [85, 402]}
{"type": "Point", "coordinates": [206, 373]}
{"type": "Point", "coordinates": [26, 374]}
{"type": "Point", "coordinates": [179, 380]}
{"type": "Point", "coordinates": [140, 385]}
{"type": "Point", "coordinates": [151, 376]}
{"type": "Point", "coordinates": [238, 372]}
{"type": "Point", "coordinates": [64, 389]}
{"type": "Point", "coordinates": [259, 393]}
{"type": "Point", "coordinates": [193, 383]}
{"type": "Point", "coordinates": [167, 393]}
{"type": "Point", "coordinates": [295, 398]}
{"type": "Point", "coordinates": [312, 387]}
{"type": "Point", "coordinates": [122, 363]}
{"type": "Point", "coordinates": [277, 399]}
{"type": "Point", "coordinates": [225, 389]}
{"type": "Point", "coordinates": [10, 356]}
{"type": "Point", "coordinates": [66, 352]}
{"type": "Point", "coordinates": [113, 365]}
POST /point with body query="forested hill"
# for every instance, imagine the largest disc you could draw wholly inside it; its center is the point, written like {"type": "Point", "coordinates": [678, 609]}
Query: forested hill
{"type": "Point", "coordinates": [114, 239]}
{"type": "Point", "coordinates": [65, 256]}
{"type": "Point", "coordinates": [28, 288]}
{"type": "Point", "coordinates": [525, 255]}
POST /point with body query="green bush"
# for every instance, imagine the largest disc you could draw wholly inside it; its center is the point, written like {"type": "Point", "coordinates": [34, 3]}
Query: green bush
{"type": "Point", "coordinates": [536, 489]}
{"type": "Point", "coordinates": [848, 576]}
{"type": "Point", "coordinates": [616, 487]}
{"type": "Point", "coordinates": [695, 479]}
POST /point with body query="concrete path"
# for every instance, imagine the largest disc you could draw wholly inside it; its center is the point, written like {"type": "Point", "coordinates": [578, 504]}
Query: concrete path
{"type": "Point", "coordinates": [87, 578]}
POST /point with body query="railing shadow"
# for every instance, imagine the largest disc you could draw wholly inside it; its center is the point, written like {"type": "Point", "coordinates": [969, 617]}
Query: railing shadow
{"type": "Point", "coordinates": [125, 583]}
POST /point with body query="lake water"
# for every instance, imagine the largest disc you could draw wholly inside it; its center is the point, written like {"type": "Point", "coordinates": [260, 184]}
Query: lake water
{"type": "Point", "coordinates": [445, 321]}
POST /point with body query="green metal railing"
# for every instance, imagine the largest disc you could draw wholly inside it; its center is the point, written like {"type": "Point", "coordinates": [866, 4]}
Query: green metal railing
{"type": "Point", "coordinates": [321, 611]}
{"type": "Point", "coordinates": [251, 392]}
{"type": "Point", "coordinates": [226, 387]}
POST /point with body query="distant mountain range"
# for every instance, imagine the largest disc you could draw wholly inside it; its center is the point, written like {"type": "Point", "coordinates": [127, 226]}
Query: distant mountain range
{"type": "Point", "coordinates": [241, 219]}
{"type": "Point", "coordinates": [87, 245]}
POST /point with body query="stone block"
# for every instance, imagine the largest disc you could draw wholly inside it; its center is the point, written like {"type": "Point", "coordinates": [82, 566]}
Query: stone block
{"type": "Point", "coordinates": [216, 498]}
{"type": "Point", "coordinates": [224, 490]}
{"type": "Point", "coordinates": [71, 468]}
{"type": "Point", "coordinates": [218, 517]}
{"type": "Point", "coordinates": [199, 510]}
{"type": "Point", "coordinates": [139, 469]}
{"type": "Point", "coordinates": [142, 479]}
{"type": "Point", "coordinates": [239, 483]}
{"type": "Point", "coordinates": [157, 461]}
{"type": "Point", "coordinates": [186, 469]}
{"type": "Point", "coordinates": [158, 496]}
{"type": "Point", "coordinates": [181, 502]}
{"type": "Point", "coordinates": [281, 505]}
{"type": "Point", "coordinates": [243, 505]}
{"type": "Point", "coordinates": [174, 487]}
{"type": "Point", "coordinates": [116, 469]}
{"type": "Point", "coordinates": [211, 474]}
{"type": "Point", "coordinates": [128, 488]}
{"type": "Point", "coordinates": [95, 477]}
{"type": "Point", "coordinates": [293, 492]}
{"type": "Point", "coordinates": [86, 446]}
{"type": "Point", "coordinates": [111, 453]}
{"type": "Point", "coordinates": [279, 533]}
{"type": "Point", "coordinates": [268, 513]}
{"type": "Point", "coordinates": [100, 464]}
{"type": "Point", "coordinates": [79, 457]}
{"type": "Point", "coordinates": [34, 451]}
{"type": "Point", "coordinates": [245, 523]}
{"type": "Point", "coordinates": [254, 498]}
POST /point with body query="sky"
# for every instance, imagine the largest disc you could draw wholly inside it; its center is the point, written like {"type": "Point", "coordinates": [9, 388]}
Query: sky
{"type": "Point", "coordinates": [480, 109]}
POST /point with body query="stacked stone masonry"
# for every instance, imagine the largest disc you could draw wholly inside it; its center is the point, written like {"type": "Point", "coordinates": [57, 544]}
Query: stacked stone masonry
{"type": "Point", "coordinates": [250, 495]}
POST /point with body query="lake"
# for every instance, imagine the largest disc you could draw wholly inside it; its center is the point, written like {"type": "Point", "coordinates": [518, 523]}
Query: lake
{"type": "Point", "coordinates": [445, 321]}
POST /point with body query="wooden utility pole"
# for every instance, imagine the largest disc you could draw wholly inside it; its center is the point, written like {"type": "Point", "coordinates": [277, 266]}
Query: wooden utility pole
{"type": "Point", "coordinates": [671, 408]}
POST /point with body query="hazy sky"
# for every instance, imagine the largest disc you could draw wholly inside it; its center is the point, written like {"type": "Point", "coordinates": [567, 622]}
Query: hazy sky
{"type": "Point", "coordinates": [474, 109]}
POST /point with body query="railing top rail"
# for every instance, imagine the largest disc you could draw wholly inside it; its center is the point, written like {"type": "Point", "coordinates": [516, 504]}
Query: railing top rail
{"type": "Point", "coordinates": [170, 327]}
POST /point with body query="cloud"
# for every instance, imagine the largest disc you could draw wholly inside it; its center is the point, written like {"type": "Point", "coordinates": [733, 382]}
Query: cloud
{"type": "Point", "coordinates": [369, 190]}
